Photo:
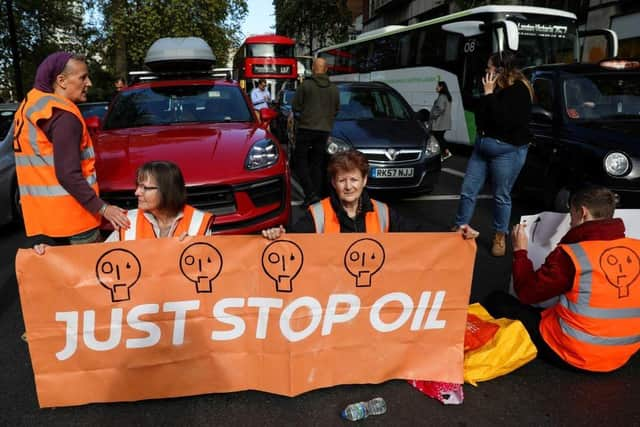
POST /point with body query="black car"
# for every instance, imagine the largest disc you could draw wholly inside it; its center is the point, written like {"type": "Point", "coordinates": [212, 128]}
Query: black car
{"type": "Point", "coordinates": [280, 126]}
{"type": "Point", "coordinates": [9, 196]}
{"type": "Point", "coordinates": [586, 129]}
{"type": "Point", "coordinates": [377, 121]}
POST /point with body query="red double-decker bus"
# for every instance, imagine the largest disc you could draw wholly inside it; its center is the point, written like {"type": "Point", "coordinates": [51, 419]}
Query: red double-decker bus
{"type": "Point", "coordinates": [270, 57]}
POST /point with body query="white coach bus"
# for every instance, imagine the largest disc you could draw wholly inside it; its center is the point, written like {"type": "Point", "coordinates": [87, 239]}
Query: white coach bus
{"type": "Point", "coordinates": [455, 48]}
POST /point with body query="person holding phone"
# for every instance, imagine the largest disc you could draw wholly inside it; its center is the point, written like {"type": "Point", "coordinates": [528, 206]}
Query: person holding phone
{"type": "Point", "coordinates": [502, 122]}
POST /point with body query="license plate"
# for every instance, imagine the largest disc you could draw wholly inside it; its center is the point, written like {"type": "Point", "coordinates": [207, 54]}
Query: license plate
{"type": "Point", "coordinates": [392, 172]}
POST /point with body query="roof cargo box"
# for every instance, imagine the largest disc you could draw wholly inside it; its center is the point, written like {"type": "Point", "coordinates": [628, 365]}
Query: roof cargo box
{"type": "Point", "coordinates": [180, 54]}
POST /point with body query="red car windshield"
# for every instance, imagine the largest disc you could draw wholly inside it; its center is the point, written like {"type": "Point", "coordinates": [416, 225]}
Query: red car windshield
{"type": "Point", "coordinates": [177, 104]}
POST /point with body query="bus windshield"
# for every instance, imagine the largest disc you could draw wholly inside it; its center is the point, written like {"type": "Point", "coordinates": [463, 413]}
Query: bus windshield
{"type": "Point", "coordinates": [269, 50]}
{"type": "Point", "coordinates": [545, 39]}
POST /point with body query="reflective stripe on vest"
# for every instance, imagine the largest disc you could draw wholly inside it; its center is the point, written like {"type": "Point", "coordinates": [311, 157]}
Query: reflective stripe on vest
{"type": "Point", "coordinates": [50, 190]}
{"type": "Point", "coordinates": [317, 213]}
{"type": "Point", "coordinates": [196, 222]}
{"type": "Point", "coordinates": [130, 233]}
{"type": "Point", "coordinates": [380, 210]}
{"type": "Point", "coordinates": [592, 339]}
{"type": "Point", "coordinates": [383, 215]}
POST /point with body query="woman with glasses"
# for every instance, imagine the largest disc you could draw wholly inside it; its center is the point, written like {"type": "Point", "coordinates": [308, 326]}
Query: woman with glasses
{"type": "Point", "coordinates": [162, 209]}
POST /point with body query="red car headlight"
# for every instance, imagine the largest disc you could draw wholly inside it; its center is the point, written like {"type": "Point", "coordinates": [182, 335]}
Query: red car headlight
{"type": "Point", "coordinates": [263, 153]}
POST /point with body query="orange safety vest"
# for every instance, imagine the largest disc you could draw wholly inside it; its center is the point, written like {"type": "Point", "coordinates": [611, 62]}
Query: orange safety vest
{"type": "Point", "coordinates": [194, 222]}
{"type": "Point", "coordinates": [596, 325]}
{"type": "Point", "coordinates": [326, 220]}
{"type": "Point", "coordinates": [46, 206]}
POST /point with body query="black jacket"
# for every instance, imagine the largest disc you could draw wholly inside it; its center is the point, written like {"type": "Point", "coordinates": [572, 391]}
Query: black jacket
{"type": "Point", "coordinates": [317, 101]}
{"type": "Point", "coordinates": [505, 114]}
{"type": "Point", "coordinates": [356, 225]}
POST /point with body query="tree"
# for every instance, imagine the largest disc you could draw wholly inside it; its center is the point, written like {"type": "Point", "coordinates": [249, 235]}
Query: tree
{"type": "Point", "coordinates": [39, 31]}
{"type": "Point", "coordinates": [313, 23]}
{"type": "Point", "coordinates": [130, 27]}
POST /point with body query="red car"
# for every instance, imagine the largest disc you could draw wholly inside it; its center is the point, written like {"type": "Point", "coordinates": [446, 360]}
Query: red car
{"type": "Point", "coordinates": [233, 166]}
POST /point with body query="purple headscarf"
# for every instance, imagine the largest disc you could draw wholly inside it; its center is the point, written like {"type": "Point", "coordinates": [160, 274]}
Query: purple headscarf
{"type": "Point", "coordinates": [49, 69]}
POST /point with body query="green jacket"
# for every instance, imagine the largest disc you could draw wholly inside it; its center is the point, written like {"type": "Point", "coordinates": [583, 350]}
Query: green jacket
{"type": "Point", "coordinates": [317, 100]}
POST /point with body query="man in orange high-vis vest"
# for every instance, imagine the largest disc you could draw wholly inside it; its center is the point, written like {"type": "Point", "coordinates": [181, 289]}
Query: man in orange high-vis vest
{"type": "Point", "coordinates": [595, 272]}
{"type": "Point", "coordinates": [55, 157]}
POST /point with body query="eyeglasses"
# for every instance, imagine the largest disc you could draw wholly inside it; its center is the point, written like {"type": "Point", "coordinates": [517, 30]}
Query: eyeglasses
{"type": "Point", "coordinates": [145, 188]}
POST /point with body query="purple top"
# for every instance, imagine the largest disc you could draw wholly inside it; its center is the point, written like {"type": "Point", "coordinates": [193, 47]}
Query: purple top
{"type": "Point", "coordinates": [64, 130]}
{"type": "Point", "coordinates": [49, 69]}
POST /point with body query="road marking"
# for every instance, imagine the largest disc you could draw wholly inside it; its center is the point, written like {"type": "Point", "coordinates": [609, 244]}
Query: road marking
{"type": "Point", "coordinates": [446, 197]}
{"type": "Point", "coordinates": [425, 197]}
{"type": "Point", "coordinates": [453, 172]}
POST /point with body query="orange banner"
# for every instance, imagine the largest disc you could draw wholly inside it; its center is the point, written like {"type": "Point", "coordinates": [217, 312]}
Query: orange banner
{"type": "Point", "coordinates": [162, 318]}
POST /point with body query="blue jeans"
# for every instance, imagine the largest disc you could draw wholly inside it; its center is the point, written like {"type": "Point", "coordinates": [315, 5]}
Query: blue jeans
{"type": "Point", "coordinates": [504, 162]}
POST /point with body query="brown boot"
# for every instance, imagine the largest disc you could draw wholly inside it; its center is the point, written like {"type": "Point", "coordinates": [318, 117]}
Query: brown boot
{"type": "Point", "coordinates": [499, 244]}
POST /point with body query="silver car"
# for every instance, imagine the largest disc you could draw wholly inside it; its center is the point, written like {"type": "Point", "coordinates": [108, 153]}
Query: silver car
{"type": "Point", "coordinates": [9, 195]}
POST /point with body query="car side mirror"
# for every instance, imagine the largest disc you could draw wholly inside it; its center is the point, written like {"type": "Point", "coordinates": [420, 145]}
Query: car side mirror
{"type": "Point", "coordinates": [540, 114]}
{"type": "Point", "coordinates": [423, 115]}
{"type": "Point", "coordinates": [267, 115]}
{"type": "Point", "coordinates": [93, 123]}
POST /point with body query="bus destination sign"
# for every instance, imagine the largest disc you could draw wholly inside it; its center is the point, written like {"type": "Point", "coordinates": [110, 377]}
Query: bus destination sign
{"type": "Point", "coordinates": [271, 69]}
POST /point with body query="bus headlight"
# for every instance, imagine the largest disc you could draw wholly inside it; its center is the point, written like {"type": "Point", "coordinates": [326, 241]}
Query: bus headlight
{"type": "Point", "coordinates": [336, 145]}
{"type": "Point", "coordinates": [432, 148]}
{"type": "Point", "coordinates": [616, 163]}
{"type": "Point", "coordinates": [262, 154]}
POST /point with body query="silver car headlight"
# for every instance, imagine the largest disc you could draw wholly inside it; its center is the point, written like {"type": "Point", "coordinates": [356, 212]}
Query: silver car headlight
{"type": "Point", "coordinates": [262, 154]}
{"type": "Point", "coordinates": [617, 164]}
{"type": "Point", "coordinates": [336, 145]}
{"type": "Point", "coordinates": [432, 148]}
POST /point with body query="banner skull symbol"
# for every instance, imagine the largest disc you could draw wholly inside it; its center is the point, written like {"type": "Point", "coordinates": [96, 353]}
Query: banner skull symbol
{"type": "Point", "coordinates": [118, 270]}
{"type": "Point", "coordinates": [621, 266]}
{"type": "Point", "coordinates": [282, 261]}
{"type": "Point", "coordinates": [363, 259]}
{"type": "Point", "coordinates": [201, 263]}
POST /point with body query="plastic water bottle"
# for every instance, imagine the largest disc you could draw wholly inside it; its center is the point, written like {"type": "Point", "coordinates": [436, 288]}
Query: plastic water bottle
{"type": "Point", "coordinates": [360, 410]}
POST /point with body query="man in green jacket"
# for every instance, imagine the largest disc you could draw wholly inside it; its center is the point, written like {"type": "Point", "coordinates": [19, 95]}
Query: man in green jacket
{"type": "Point", "coordinates": [316, 104]}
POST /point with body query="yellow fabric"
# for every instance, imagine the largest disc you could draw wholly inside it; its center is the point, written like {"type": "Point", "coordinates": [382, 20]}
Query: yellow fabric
{"type": "Point", "coordinates": [509, 349]}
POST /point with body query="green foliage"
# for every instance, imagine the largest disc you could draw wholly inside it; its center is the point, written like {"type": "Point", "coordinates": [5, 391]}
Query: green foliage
{"type": "Point", "coordinates": [313, 23]}
{"type": "Point", "coordinates": [40, 31]}
{"type": "Point", "coordinates": [142, 22]}
{"type": "Point", "coordinates": [113, 34]}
